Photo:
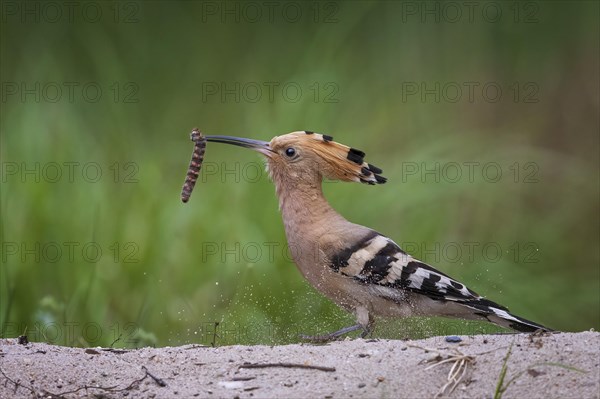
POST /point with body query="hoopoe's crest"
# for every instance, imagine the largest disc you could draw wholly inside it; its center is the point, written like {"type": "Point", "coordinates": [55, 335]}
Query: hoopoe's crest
{"type": "Point", "coordinates": [335, 161]}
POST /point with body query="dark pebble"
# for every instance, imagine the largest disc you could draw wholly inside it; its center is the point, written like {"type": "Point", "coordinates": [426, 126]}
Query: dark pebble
{"type": "Point", "coordinates": [453, 339]}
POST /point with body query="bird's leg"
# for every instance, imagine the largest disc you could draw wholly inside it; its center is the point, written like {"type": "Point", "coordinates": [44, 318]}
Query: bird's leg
{"type": "Point", "coordinates": [331, 336]}
{"type": "Point", "coordinates": [365, 322]}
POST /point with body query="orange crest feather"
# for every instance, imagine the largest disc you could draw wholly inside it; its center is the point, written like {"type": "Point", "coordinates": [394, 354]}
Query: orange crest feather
{"type": "Point", "coordinates": [344, 163]}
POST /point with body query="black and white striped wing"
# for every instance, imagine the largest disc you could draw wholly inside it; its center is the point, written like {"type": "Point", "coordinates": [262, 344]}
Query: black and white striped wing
{"type": "Point", "coordinates": [378, 260]}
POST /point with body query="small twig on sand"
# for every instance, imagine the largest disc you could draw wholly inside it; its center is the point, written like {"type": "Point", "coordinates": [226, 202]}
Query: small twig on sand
{"type": "Point", "coordinates": [457, 371]}
{"type": "Point", "coordinates": [159, 381]}
{"type": "Point", "coordinates": [113, 350]}
{"type": "Point", "coordinates": [47, 394]}
{"type": "Point", "coordinates": [18, 384]}
{"type": "Point", "coordinates": [243, 378]}
{"type": "Point", "coordinates": [286, 365]}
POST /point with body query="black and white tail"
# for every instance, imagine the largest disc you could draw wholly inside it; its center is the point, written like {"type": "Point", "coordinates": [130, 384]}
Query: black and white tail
{"type": "Point", "coordinates": [500, 315]}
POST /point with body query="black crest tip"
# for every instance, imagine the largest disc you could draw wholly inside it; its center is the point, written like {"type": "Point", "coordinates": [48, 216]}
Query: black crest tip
{"type": "Point", "coordinates": [380, 179]}
{"type": "Point", "coordinates": [375, 169]}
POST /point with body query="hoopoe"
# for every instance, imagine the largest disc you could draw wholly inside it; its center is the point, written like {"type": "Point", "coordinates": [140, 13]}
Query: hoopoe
{"type": "Point", "coordinates": [358, 268]}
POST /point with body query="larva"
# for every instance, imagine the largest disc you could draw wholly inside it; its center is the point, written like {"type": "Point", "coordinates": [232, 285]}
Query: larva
{"type": "Point", "coordinates": [195, 164]}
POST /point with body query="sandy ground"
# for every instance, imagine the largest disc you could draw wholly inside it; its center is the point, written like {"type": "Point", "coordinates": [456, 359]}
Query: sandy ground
{"type": "Point", "coordinates": [536, 368]}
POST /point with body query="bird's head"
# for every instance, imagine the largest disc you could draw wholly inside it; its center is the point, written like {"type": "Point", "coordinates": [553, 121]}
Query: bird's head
{"type": "Point", "coordinates": [309, 157]}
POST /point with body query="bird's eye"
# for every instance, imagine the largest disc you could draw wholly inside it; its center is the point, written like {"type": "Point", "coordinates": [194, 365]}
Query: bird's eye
{"type": "Point", "coordinates": [290, 152]}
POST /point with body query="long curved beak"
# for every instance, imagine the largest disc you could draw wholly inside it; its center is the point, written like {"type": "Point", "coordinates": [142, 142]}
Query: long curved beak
{"type": "Point", "coordinates": [256, 145]}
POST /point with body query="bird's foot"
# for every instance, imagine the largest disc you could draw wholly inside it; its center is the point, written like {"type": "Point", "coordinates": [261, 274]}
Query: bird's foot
{"type": "Point", "coordinates": [335, 335]}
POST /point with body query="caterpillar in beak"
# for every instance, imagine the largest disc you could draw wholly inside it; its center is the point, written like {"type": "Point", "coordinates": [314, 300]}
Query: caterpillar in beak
{"type": "Point", "coordinates": [195, 164]}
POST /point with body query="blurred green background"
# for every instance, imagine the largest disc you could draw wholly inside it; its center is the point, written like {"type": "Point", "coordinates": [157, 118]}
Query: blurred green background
{"type": "Point", "coordinates": [97, 106]}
